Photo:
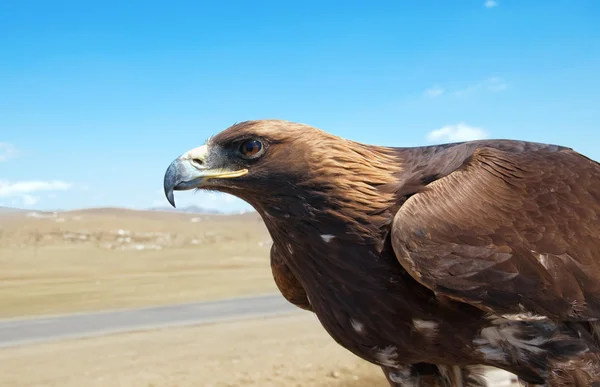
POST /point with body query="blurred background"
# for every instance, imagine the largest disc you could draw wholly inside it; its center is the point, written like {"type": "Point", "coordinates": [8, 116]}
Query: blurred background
{"type": "Point", "coordinates": [97, 98]}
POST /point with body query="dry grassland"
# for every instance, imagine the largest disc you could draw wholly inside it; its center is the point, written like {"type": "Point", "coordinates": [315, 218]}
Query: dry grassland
{"type": "Point", "coordinates": [99, 259]}
{"type": "Point", "coordinates": [286, 351]}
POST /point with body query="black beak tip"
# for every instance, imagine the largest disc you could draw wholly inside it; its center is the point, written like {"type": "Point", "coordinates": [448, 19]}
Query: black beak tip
{"type": "Point", "coordinates": [170, 196]}
{"type": "Point", "coordinates": [170, 180]}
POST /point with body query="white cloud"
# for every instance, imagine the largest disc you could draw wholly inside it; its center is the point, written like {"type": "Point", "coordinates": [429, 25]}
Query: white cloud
{"type": "Point", "coordinates": [30, 200]}
{"type": "Point", "coordinates": [21, 188]}
{"type": "Point", "coordinates": [434, 91]}
{"type": "Point", "coordinates": [490, 3]}
{"type": "Point", "coordinates": [493, 84]}
{"type": "Point", "coordinates": [456, 133]}
{"type": "Point", "coordinates": [7, 151]}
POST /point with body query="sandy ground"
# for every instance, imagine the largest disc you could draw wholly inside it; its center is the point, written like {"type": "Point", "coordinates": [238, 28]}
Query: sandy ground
{"type": "Point", "coordinates": [93, 260]}
{"type": "Point", "coordinates": [284, 351]}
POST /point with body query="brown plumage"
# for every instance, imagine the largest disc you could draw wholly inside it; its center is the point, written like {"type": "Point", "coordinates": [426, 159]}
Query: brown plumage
{"type": "Point", "coordinates": [428, 261]}
{"type": "Point", "coordinates": [286, 282]}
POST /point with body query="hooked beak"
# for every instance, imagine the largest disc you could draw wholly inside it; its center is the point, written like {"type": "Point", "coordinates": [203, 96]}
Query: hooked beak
{"type": "Point", "coordinates": [190, 171]}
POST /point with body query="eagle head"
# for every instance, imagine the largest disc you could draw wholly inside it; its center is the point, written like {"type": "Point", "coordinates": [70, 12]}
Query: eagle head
{"type": "Point", "coordinates": [247, 159]}
{"type": "Point", "coordinates": [292, 170]}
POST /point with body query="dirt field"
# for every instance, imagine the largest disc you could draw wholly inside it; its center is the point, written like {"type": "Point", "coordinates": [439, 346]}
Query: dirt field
{"type": "Point", "coordinates": [97, 259]}
{"type": "Point", "coordinates": [284, 351]}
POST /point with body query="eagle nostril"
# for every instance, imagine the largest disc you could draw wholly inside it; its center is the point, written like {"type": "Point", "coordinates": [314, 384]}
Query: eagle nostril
{"type": "Point", "coordinates": [197, 161]}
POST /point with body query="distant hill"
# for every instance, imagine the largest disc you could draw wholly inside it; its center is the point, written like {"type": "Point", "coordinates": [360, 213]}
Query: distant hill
{"type": "Point", "coordinates": [187, 210]}
{"type": "Point", "coordinates": [7, 210]}
{"type": "Point", "coordinates": [181, 210]}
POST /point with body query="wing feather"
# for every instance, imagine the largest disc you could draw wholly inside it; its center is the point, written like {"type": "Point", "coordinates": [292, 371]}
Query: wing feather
{"type": "Point", "coordinates": [509, 231]}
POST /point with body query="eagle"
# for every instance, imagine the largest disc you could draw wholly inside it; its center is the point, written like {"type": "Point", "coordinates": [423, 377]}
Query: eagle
{"type": "Point", "coordinates": [432, 262]}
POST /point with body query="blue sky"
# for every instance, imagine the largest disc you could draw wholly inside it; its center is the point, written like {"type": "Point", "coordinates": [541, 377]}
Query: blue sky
{"type": "Point", "coordinates": [97, 98]}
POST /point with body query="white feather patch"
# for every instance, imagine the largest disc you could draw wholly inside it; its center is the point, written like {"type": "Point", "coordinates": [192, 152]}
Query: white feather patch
{"type": "Point", "coordinates": [402, 376]}
{"type": "Point", "coordinates": [425, 326]}
{"type": "Point", "coordinates": [358, 326]}
{"type": "Point", "coordinates": [500, 339]}
{"type": "Point", "coordinates": [387, 356]}
{"type": "Point", "coordinates": [327, 237]}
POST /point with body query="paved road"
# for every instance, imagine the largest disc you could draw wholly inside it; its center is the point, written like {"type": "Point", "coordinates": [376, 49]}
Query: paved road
{"type": "Point", "coordinates": [25, 331]}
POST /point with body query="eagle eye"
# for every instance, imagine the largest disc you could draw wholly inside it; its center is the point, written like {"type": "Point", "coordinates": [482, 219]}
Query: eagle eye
{"type": "Point", "coordinates": [251, 148]}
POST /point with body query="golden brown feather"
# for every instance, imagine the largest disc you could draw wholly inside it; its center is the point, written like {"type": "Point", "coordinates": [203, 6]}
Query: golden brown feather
{"type": "Point", "coordinates": [430, 260]}
{"type": "Point", "coordinates": [287, 283]}
{"type": "Point", "coordinates": [510, 232]}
